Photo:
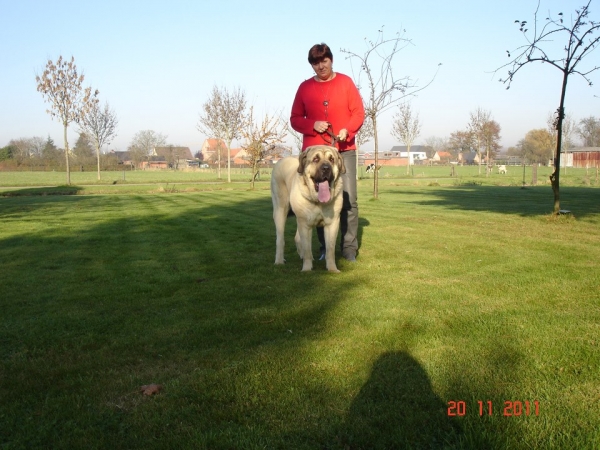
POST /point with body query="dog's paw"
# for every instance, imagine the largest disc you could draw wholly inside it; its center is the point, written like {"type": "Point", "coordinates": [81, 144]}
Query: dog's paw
{"type": "Point", "coordinates": [307, 266]}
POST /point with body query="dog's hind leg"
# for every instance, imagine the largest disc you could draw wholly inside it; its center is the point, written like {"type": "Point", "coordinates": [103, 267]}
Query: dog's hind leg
{"type": "Point", "coordinates": [298, 242]}
{"type": "Point", "coordinates": [279, 240]}
{"type": "Point", "coordinates": [280, 213]}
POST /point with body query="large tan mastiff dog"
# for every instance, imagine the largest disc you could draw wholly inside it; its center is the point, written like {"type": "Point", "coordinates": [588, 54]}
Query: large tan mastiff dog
{"type": "Point", "coordinates": [311, 186]}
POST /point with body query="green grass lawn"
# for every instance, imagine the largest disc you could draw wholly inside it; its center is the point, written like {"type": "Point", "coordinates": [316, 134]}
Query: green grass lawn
{"type": "Point", "coordinates": [462, 293]}
{"type": "Point", "coordinates": [193, 179]}
{"type": "Point", "coordinates": [52, 178]}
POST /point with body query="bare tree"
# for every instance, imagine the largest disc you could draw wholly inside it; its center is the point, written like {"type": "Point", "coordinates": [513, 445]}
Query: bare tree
{"type": "Point", "coordinates": [461, 141]}
{"type": "Point", "coordinates": [491, 142]}
{"type": "Point", "coordinates": [62, 87]}
{"type": "Point", "coordinates": [280, 151]}
{"type": "Point", "coordinates": [143, 144]}
{"type": "Point", "coordinates": [20, 150]}
{"type": "Point", "coordinates": [476, 126]}
{"type": "Point", "coordinates": [551, 123]}
{"type": "Point", "coordinates": [261, 138]}
{"type": "Point", "coordinates": [296, 137]}
{"type": "Point", "coordinates": [406, 127]}
{"type": "Point", "coordinates": [223, 117]}
{"type": "Point", "coordinates": [100, 125]}
{"type": "Point", "coordinates": [24, 149]}
{"type": "Point", "coordinates": [581, 38]}
{"type": "Point", "coordinates": [384, 89]}
{"type": "Point", "coordinates": [568, 130]}
{"type": "Point", "coordinates": [364, 135]}
{"type": "Point", "coordinates": [589, 131]}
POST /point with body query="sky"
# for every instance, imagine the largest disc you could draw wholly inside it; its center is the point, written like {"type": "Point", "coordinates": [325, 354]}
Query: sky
{"type": "Point", "coordinates": [156, 62]}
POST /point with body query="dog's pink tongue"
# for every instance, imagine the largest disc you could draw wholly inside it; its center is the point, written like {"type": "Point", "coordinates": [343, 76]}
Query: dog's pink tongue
{"type": "Point", "coordinates": [324, 194]}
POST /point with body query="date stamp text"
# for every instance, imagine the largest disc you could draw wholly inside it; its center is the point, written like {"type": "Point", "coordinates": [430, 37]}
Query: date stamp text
{"type": "Point", "coordinates": [509, 408]}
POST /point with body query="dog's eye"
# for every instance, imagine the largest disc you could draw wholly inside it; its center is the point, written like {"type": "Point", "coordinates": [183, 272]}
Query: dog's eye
{"type": "Point", "coordinates": [331, 158]}
{"type": "Point", "coordinates": [316, 159]}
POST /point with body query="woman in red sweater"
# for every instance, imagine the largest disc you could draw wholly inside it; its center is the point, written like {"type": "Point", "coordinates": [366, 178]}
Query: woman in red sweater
{"type": "Point", "coordinates": [331, 99]}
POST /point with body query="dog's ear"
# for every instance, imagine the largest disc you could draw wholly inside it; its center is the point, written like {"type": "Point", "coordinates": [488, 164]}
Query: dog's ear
{"type": "Point", "coordinates": [341, 165]}
{"type": "Point", "coordinates": [302, 161]}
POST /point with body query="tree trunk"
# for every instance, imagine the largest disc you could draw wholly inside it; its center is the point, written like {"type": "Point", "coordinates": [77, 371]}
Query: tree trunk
{"type": "Point", "coordinates": [555, 180]}
{"type": "Point", "coordinates": [555, 177]}
{"type": "Point", "coordinates": [219, 160]}
{"type": "Point", "coordinates": [229, 162]}
{"type": "Point", "coordinates": [98, 157]}
{"type": "Point", "coordinates": [67, 154]}
{"type": "Point", "coordinates": [254, 172]}
{"type": "Point", "coordinates": [376, 174]}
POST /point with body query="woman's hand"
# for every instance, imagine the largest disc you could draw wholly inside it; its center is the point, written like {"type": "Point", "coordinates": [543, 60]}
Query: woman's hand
{"type": "Point", "coordinates": [321, 126]}
{"type": "Point", "coordinates": [343, 134]}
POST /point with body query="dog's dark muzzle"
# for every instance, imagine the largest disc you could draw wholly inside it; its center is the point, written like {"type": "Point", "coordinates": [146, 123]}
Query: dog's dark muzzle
{"type": "Point", "coordinates": [325, 173]}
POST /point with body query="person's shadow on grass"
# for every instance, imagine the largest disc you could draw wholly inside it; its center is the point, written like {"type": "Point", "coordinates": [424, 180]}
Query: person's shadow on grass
{"type": "Point", "coordinates": [397, 408]}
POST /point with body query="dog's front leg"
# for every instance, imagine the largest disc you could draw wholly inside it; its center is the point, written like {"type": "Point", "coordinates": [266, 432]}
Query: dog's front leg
{"type": "Point", "coordinates": [304, 246]}
{"type": "Point", "coordinates": [331, 232]}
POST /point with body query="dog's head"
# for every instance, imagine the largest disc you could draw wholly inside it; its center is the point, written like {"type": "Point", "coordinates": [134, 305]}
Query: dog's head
{"type": "Point", "coordinates": [323, 165]}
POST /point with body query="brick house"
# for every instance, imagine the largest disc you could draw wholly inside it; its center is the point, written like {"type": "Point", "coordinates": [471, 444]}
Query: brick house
{"type": "Point", "coordinates": [210, 148]}
{"type": "Point", "coordinates": [442, 157]}
{"type": "Point", "coordinates": [175, 157]}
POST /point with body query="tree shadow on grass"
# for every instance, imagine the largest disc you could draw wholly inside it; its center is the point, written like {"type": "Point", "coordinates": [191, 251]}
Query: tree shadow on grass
{"type": "Point", "coordinates": [41, 191]}
{"type": "Point", "coordinates": [531, 201]}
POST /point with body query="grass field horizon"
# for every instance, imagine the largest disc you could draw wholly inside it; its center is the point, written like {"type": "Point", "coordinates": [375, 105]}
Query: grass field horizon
{"type": "Point", "coordinates": [465, 297]}
{"type": "Point", "coordinates": [418, 175]}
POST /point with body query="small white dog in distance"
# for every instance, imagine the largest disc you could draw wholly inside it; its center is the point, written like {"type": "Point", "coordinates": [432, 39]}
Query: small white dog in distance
{"type": "Point", "coordinates": [502, 169]}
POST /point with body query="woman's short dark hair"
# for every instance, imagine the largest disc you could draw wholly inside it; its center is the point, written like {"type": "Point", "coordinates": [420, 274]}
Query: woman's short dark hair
{"type": "Point", "coordinates": [318, 53]}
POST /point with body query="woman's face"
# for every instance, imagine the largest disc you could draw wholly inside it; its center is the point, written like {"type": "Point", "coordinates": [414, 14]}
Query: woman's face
{"type": "Point", "coordinates": [323, 69]}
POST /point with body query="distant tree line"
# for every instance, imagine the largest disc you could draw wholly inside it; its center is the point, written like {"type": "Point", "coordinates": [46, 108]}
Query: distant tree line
{"type": "Point", "coordinates": [37, 153]}
{"type": "Point", "coordinates": [538, 146]}
{"type": "Point", "coordinates": [482, 136]}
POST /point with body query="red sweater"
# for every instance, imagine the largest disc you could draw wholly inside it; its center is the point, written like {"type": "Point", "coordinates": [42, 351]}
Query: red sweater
{"type": "Point", "coordinates": [344, 110]}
